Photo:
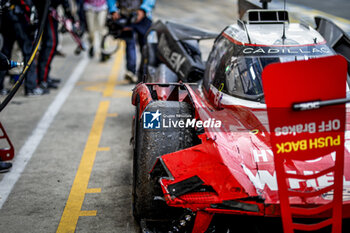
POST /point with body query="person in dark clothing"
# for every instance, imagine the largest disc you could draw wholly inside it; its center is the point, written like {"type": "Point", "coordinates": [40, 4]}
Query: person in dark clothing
{"type": "Point", "coordinates": [47, 52]}
{"type": "Point", "coordinates": [82, 23]}
{"type": "Point", "coordinates": [19, 28]}
{"type": "Point", "coordinates": [143, 9]}
{"type": "Point", "coordinates": [81, 16]}
{"type": "Point", "coordinates": [5, 63]}
{"type": "Point", "coordinates": [49, 46]}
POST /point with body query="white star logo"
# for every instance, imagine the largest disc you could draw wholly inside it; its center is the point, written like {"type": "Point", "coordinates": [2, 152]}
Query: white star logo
{"type": "Point", "coordinates": [156, 115]}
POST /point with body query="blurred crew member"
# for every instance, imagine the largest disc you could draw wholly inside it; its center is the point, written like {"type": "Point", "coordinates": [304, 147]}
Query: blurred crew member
{"type": "Point", "coordinates": [81, 15]}
{"type": "Point", "coordinates": [5, 63]}
{"type": "Point", "coordinates": [20, 27]}
{"type": "Point", "coordinates": [82, 23]}
{"type": "Point", "coordinates": [96, 12]}
{"type": "Point", "coordinates": [49, 46]}
{"type": "Point", "coordinates": [143, 9]}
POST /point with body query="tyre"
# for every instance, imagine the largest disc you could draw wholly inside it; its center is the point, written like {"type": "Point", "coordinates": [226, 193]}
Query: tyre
{"type": "Point", "coordinates": [109, 45]}
{"type": "Point", "coordinates": [149, 60]}
{"type": "Point", "coordinates": [149, 144]}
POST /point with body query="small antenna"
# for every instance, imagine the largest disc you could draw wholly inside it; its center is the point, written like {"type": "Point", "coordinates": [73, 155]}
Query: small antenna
{"type": "Point", "coordinates": [284, 23]}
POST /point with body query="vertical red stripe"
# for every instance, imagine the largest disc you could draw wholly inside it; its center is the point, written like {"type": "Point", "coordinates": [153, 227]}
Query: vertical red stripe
{"type": "Point", "coordinates": [26, 7]}
{"type": "Point", "coordinates": [52, 27]}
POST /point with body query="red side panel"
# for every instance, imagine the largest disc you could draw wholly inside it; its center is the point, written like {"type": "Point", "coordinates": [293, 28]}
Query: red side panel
{"type": "Point", "coordinates": [7, 151]}
{"type": "Point", "coordinates": [307, 135]}
{"type": "Point", "coordinates": [142, 92]}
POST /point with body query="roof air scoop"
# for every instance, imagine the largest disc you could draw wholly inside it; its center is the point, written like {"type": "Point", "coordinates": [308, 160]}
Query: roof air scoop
{"type": "Point", "coordinates": [265, 3]}
{"type": "Point", "coordinates": [267, 16]}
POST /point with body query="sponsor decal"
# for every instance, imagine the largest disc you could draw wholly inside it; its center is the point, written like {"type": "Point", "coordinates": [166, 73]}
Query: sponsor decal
{"type": "Point", "coordinates": [173, 58]}
{"type": "Point", "coordinates": [312, 50]}
{"type": "Point", "coordinates": [191, 123]}
{"type": "Point", "coordinates": [157, 120]}
{"type": "Point", "coordinates": [151, 120]}
{"type": "Point", "coordinates": [263, 179]}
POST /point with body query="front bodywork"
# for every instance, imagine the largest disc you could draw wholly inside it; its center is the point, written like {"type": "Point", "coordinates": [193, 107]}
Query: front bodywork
{"type": "Point", "coordinates": [232, 170]}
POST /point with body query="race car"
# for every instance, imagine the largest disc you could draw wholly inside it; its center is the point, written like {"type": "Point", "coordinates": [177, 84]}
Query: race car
{"type": "Point", "coordinates": [202, 153]}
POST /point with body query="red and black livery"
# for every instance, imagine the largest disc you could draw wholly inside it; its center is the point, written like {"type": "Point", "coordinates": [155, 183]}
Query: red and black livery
{"type": "Point", "coordinates": [219, 175]}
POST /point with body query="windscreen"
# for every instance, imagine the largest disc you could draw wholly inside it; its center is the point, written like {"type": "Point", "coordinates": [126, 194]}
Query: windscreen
{"type": "Point", "coordinates": [236, 69]}
{"type": "Point", "coordinates": [243, 74]}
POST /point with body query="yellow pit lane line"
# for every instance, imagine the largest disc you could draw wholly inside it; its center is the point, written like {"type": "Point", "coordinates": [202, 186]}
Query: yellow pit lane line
{"type": "Point", "coordinates": [112, 79]}
{"type": "Point", "coordinates": [72, 210]}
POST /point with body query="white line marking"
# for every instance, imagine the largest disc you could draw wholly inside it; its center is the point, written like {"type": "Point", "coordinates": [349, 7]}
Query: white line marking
{"type": "Point", "coordinates": [24, 155]}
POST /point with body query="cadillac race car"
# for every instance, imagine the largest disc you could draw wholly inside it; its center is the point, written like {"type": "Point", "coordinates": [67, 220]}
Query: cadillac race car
{"type": "Point", "coordinates": [202, 152]}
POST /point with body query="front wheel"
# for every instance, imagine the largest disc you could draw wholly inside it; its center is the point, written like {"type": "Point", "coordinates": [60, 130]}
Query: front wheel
{"type": "Point", "coordinates": [149, 144]}
{"type": "Point", "coordinates": [109, 45]}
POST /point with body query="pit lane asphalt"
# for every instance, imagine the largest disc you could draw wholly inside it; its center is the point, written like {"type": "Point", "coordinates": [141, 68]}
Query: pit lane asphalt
{"type": "Point", "coordinates": [87, 142]}
{"type": "Point", "coordinates": [338, 8]}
